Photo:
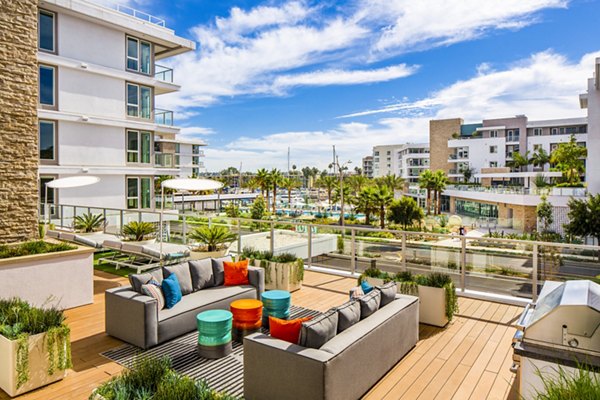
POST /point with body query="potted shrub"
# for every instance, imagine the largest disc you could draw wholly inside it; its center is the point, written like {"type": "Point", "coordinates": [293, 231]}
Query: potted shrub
{"type": "Point", "coordinates": [437, 294]}
{"type": "Point", "coordinates": [88, 222]}
{"type": "Point", "coordinates": [153, 378]}
{"type": "Point", "coordinates": [35, 346]}
{"type": "Point", "coordinates": [214, 240]}
{"type": "Point", "coordinates": [282, 272]}
{"type": "Point", "coordinates": [139, 232]}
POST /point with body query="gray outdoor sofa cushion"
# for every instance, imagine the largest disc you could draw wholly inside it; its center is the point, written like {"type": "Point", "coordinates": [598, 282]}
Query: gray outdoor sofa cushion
{"type": "Point", "coordinates": [344, 368]}
{"type": "Point", "coordinates": [316, 332]}
{"type": "Point", "coordinates": [348, 315]}
{"type": "Point", "coordinates": [137, 280]}
{"type": "Point", "coordinates": [219, 269]}
{"type": "Point", "coordinates": [182, 271]}
{"type": "Point", "coordinates": [369, 303]}
{"type": "Point", "coordinates": [388, 293]}
{"type": "Point", "coordinates": [202, 274]}
{"type": "Point", "coordinates": [135, 318]}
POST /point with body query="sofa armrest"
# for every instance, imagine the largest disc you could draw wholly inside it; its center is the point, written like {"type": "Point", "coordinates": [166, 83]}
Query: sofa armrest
{"type": "Point", "coordinates": [275, 369]}
{"type": "Point", "coordinates": [131, 317]}
{"type": "Point", "coordinates": [256, 276]}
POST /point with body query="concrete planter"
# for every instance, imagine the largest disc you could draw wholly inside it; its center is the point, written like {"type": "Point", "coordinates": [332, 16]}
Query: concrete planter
{"type": "Point", "coordinates": [200, 255]}
{"type": "Point", "coordinates": [280, 276]}
{"type": "Point", "coordinates": [38, 366]}
{"type": "Point", "coordinates": [374, 281]}
{"type": "Point", "coordinates": [63, 279]}
{"type": "Point", "coordinates": [432, 306]}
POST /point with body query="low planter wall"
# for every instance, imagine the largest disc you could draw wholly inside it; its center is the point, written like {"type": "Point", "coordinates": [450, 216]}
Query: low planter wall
{"type": "Point", "coordinates": [63, 279]}
{"type": "Point", "coordinates": [37, 365]}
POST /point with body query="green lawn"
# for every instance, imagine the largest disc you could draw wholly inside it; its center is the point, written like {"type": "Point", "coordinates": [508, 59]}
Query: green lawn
{"type": "Point", "coordinates": [109, 268]}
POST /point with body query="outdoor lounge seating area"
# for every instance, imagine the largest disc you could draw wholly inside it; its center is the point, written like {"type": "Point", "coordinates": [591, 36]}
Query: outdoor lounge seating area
{"type": "Point", "coordinates": [470, 358]}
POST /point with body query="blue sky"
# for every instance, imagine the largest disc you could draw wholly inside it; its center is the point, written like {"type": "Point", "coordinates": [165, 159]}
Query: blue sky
{"type": "Point", "coordinates": [309, 74]}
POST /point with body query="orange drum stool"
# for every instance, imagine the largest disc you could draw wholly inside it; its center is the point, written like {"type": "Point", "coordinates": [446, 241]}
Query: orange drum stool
{"type": "Point", "coordinates": [247, 317]}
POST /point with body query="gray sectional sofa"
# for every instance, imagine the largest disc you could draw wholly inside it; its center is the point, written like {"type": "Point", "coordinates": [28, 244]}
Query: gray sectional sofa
{"type": "Point", "coordinates": [135, 318]}
{"type": "Point", "coordinates": [345, 367]}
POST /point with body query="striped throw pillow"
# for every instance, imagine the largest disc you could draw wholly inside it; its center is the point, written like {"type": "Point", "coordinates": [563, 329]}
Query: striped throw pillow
{"type": "Point", "coordinates": [153, 289]}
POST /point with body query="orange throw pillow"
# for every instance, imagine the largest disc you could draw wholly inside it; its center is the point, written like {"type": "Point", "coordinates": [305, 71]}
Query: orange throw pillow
{"type": "Point", "coordinates": [288, 330]}
{"type": "Point", "coordinates": [236, 273]}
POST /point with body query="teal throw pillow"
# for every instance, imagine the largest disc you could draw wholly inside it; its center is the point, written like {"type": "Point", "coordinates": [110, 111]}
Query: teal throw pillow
{"type": "Point", "coordinates": [366, 287]}
{"type": "Point", "coordinates": [171, 290]}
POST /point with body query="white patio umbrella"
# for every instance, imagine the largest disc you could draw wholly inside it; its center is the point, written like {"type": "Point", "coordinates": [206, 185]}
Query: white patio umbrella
{"type": "Point", "coordinates": [66, 183]}
{"type": "Point", "coordinates": [187, 184]}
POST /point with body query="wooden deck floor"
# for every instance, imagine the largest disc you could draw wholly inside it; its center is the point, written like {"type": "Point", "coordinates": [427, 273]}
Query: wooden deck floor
{"type": "Point", "coordinates": [469, 359]}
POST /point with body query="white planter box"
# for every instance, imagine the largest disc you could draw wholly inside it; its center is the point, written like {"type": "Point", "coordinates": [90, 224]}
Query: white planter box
{"type": "Point", "coordinates": [63, 279]}
{"type": "Point", "coordinates": [374, 281]}
{"type": "Point", "coordinates": [280, 276]}
{"type": "Point", "coordinates": [432, 306]}
{"type": "Point", "coordinates": [200, 255]}
{"type": "Point", "coordinates": [38, 366]}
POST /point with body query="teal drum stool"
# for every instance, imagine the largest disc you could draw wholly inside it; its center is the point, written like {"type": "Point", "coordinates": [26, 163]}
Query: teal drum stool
{"type": "Point", "coordinates": [276, 303]}
{"type": "Point", "coordinates": [214, 333]}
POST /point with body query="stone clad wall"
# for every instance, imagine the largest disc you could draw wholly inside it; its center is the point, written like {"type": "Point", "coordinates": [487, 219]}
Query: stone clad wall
{"type": "Point", "coordinates": [18, 120]}
{"type": "Point", "coordinates": [439, 133]}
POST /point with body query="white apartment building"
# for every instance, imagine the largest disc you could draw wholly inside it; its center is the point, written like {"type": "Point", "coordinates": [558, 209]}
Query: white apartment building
{"type": "Point", "coordinates": [404, 160]}
{"type": "Point", "coordinates": [99, 78]}
{"type": "Point", "coordinates": [490, 144]}
{"type": "Point", "coordinates": [367, 166]}
{"type": "Point", "coordinates": [591, 102]}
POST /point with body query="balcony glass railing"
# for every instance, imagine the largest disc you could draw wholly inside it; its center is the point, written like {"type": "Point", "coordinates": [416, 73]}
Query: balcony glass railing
{"type": "Point", "coordinates": [163, 73]}
{"type": "Point", "coordinates": [163, 117]}
{"type": "Point", "coordinates": [551, 191]}
{"type": "Point", "coordinates": [164, 160]}
{"type": "Point", "coordinates": [131, 12]}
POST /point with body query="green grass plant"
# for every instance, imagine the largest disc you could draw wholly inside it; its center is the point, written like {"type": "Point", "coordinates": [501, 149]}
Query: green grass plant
{"type": "Point", "coordinates": [581, 385]}
{"type": "Point", "coordinates": [33, 247]}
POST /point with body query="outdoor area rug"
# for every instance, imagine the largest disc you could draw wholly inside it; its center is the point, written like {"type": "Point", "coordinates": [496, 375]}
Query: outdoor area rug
{"type": "Point", "coordinates": [224, 374]}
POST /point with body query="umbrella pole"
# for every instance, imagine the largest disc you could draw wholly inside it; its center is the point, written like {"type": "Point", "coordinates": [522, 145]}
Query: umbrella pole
{"type": "Point", "coordinates": [47, 216]}
{"type": "Point", "coordinates": [162, 203]}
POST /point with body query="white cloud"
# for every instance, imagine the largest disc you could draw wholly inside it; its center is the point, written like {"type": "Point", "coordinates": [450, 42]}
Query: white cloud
{"type": "Point", "coordinates": [543, 86]}
{"type": "Point", "coordinates": [193, 131]}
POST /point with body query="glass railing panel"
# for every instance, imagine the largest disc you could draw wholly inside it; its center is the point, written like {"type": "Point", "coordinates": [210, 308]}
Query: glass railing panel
{"type": "Point", "coordinates": [427, 253]}
{"type": "Point", "coordinates": [163, 73]}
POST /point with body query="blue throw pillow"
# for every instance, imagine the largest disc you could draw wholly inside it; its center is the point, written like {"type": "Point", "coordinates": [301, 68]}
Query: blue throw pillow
{"type": "Point", "coordinates": [171, 290]}
{"type": "Point", "coordinates": [366, 287]}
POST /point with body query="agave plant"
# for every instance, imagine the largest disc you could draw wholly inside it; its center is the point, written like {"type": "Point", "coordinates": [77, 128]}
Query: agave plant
{"type": "Point", "coordinates": [88, 222]}
{"type": "Point", "coordinates": [138, 231]}
{"type": "Point", "coordinates": [213, 237]}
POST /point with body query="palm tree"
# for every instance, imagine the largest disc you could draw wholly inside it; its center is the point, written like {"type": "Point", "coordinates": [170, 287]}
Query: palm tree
{"type": "Point", "coordinates": [467, 173]}
{"type": "Point", "coordinates": [327, 182]}
{"type": "Point", "coordinates": [261, 178]}
{"type": "Point", "coordinates": [519, 160]}
{"type": "Point", "coordinates": [357, 183]}
{"type": "Point", "coordinates": [275, 180]}
{"type": "Point", "coordinates": [440, 180]}
{"type": "Point", "coordinates": [426, 182]}
{"type": "Point", "coordinates": [392, 182]}
{"type": "Point", "coordinates": [382, 198]}
{"type": "Point", "coordinates": [364, 203]}
{"type": "Point", "coordinates": [540, 158]}
{"type": "Point", "coordinates": [290, 184]}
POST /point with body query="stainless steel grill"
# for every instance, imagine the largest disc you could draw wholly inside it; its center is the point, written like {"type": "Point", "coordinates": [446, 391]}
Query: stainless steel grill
{"type": "Point", "coordinates": [561, 329]}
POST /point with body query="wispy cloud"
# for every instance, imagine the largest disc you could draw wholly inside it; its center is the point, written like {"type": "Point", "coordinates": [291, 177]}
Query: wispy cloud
{"type": "Point", "coordinates": [543, 86]}
{"type": "Point", "coordinates": [270, 49]}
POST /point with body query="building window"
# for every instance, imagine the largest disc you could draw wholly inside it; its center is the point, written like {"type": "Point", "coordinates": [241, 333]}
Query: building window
{"type": "Point", "coordinates": [47, 75]}
{"type": "Point", "coordinates": [139, 55]}
{"type": "Point", "coordinates": [51, 199]}
{"type": "Point", "coordinates": [536, 147]}
{"type": "Point", "coordinates": [537, 131]}
{"type": "Point", "coordinates": [493, 134]}
{"type": "Point", "coordinates": [46, 31]}
{"type": "Point", "coordinates": [493, 164]}
{"type": "Point", "coordinates": [139, 101]}
{"type": "Point", "coordinates": [196, 160]}
{"type": "Point", "coordinates": [47, 140]}
{"type": "Point", "coordinates": [139, 192]}
{"type": "Point", "coordinates": [139, 145]}
{"type": "Point", "coordinates": [493, 149]}
{"type": "Point", "coordinates": [554, 131]}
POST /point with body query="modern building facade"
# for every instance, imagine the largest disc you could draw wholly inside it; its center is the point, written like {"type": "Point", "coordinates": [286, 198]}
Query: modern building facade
{"type": "Point", "coordinates": [591, 102]}
{"type": "Point", "coordinates": [404, 160]}
{"type": "Point", "coordinates": [99, 78]}
{"type": "Point", "coordinates": [483, 152]}
{"type": "Point", "coordinates": [367, 166]}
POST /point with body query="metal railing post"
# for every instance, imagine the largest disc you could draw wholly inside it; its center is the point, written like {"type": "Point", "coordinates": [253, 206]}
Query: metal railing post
{"type": "Point", "coordinates": [121, 221]}
{"type": "Point", "coordinates": [105, 220]}
{"type": "Point", "coordinates": [62, 216]}
{"type": "Point", "coordinates": [404, 251]}
{"type": "Point", "coordinates": [184, 229]}
{"type": "Point", "coordinates": [534, 274]}
{"type": "Point", "coordinates": [463, 262]}
{"type": "Point", "coordinates": [353, 251]}
{"type": "Point", "coordinates": [272, 241]}
{"type": "Point", "coordinates": [139, 216]}
{"type": "Point", "coordinates": [309, 256]}
{"type": "Point", "coordinates": [239, 238]}
{"type": "Point", "coordinates": [209, 222]}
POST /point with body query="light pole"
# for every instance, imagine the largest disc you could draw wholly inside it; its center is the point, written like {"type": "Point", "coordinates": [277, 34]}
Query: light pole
{"type": "Point", "coordinates": [341, 168]}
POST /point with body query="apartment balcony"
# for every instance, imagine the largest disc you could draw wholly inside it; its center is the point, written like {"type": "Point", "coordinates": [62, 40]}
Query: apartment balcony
{"type": "Point", "coordinates": [163, 74]}
{"type": "Point", "coordinates": [164, 160]}
{"type": "Point", "coordinates": [457, 157]}
{"type": "Point", "coordinates": [163, 117]}
{"type": "Point", "coordinates": [135, 13]}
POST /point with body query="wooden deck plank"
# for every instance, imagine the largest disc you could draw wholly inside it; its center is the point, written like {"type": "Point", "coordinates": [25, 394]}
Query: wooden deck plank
{"type": "Point", "coordinates": [468, 358]}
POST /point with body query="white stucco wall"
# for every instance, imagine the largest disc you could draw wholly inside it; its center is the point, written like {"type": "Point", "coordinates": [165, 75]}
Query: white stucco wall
{"type": "Point", "coordinates": [593, 162]}
{"type": "Point", "coordinates": [91, 145]}
{"type": "Point", "coordinates": [89, 94]}
{"type": "Point", "coordinates": [479, 151]}
{"type": "Point", "coordinates": [109, 192]}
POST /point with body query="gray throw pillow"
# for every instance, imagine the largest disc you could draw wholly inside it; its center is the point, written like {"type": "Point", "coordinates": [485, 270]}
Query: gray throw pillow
{"type": "Point", "coordinates": [219, 270]}
{"type": "Point", "coordinates": [202, 274]}
{"type": "Point", "coordinates": [369, 303]}
{"type": "Point", "coordinates": [319, 330]}
{"type": "Point", "coordinates": [388, 293]}
{"type": "Point", "coordinates": [137, 280]}
{"type": "Point", "coordinates": [182, 271]}
{"type": "Point", "coordinates": [348, 315]}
